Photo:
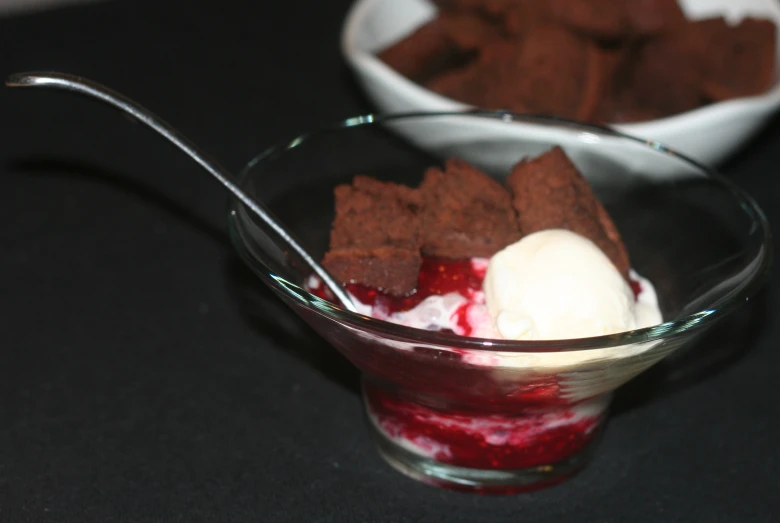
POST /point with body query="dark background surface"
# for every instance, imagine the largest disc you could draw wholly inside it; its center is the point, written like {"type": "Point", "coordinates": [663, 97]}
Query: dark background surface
{"type": "Point", "coordinates": [134, 385]}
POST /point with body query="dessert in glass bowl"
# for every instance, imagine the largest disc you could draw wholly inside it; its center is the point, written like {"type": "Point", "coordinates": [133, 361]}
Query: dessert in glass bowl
{"type": "Point", "coordinates": [462, 253]}
{"type": "Point", "coordinates": [467, 385]}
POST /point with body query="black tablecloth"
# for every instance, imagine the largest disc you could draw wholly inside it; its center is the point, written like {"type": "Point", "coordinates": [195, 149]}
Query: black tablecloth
{"type": "Point", "coordinates": [134, 385]}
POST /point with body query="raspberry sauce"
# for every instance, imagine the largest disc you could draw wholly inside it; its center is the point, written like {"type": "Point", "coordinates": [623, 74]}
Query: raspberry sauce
{"type": "Point", "coordinates": [488, 441]}
{"type": "Point", "coordinates": [462, 412]}
{"type": "Point", "coordinates": [438, 276]}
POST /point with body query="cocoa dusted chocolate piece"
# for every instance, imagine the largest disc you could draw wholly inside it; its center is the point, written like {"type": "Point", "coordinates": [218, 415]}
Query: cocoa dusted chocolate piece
{"type": "Point", "coordinates": [389, 269]}
{"type": "Point", "coordinates": [643, 86]}
{"type": "Point", "coordinates": [651, 17]}
{"type": "Point", "coordinates": [617, 20]}
{"type": "Point", "coordinates": [514, 17]}
{"type": "Point", "coordinates": [474, 83]}
{"type": "Point", "coordinates": [539, 58]}
{"type": "Point", "coordinates": [463, 84]}
{"type": "Point", "coordinates": [450, 39]}
{"type": "Point", "coordinates": [375, 239]}
{"type": "Point", "coordinates": [423, 53]}
{"type": "Point", "coordinates": [468, 32]}
{"type": "Point", "coordinates": [600, 19]}
{"type": "Point", "coordinates": [545, 53]}
{"type": "Point", "coordinates": [465, 213]}
{"type": "Point", "coordinates": [599, 61]}
{"type": "Point", "coordinates": [608, 20]}
{"type": "Point", "coordinates": [703, 59]}
{"type": "Point", "coordinates": [741, 60]}
{"type": "Point", "coordinates": [602, 64]}
{"type": "Point", "coordinates": [519, 18]}
{"type": "Point", "coordinates": [550, 193]}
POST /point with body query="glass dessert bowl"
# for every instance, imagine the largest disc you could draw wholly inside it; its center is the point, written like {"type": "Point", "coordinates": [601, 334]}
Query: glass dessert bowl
{"type": "Point", "coordinates": [499, 415]}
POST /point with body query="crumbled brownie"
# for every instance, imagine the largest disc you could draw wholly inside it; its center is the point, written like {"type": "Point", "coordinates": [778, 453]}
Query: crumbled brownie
{"type": "Point", "coordinates": [651, 17]}
{"type": "Point", "coordinates": [374, 213]}
{"type": "Point", "coordinates": [514, 17]}
{"type": "Point", "coordinates": [467, 32]}
{"type": "Point", "coordinates": [449, 40]}
{"type": "Point", "coordinates": [601, 68]}
{"type": "Point", "coordinates": [521, 17]}
{"type": "Point", "coordinates": [389, 269]}
{"type": "Point", "coordinates": [702, 59]}
{"type": "Point", "coordinates": [423, 53]}
{"type": "Point", "coordinates": [600, 19]}
{"type": "Point", "coordinates": [550, 193]}
{"type": "Point", "coordinates": [554, 65]}
{"type": "Point", "coordinates": [463, 84]}
{"type": "Point", "coordinates": [375, 239]}
{"type": "Point", "coordinates": [539, 59]}
{"type": "Point", "coordinates": [475, 83]}
{"type": "Point", "coordinates": [557, 57]}
{"type": "Point", "coordinates": [741, 60]}
{"type": "Point", "coordinates": [606, 20]}
{"type": "Point", "coordinates": [643, 85]}
{"type": "Point", "coordinates": [465, 212]}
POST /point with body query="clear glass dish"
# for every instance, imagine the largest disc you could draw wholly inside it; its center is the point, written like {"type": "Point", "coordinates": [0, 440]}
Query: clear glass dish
{"type": "Point", "coordinates": [490, 415]}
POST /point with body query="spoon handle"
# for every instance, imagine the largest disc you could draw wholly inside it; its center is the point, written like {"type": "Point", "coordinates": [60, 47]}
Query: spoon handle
{"type": "Point", "coordinates": [95, 90]}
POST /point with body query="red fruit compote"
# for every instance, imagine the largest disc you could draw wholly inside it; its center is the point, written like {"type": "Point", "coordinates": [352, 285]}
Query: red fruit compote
{"type": "Point", "coordinates": [478, 420]}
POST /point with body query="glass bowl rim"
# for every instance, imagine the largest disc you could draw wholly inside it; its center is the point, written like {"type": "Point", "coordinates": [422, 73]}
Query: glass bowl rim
{"type": "Point", "coordinates": [393, 331]}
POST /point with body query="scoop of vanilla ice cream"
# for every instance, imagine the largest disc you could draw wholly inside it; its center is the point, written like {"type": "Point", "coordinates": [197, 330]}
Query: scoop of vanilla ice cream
{"type": "Point", "coordinates": [556, 284]}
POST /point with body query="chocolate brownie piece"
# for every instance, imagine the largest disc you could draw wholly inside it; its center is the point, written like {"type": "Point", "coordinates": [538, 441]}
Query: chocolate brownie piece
{"type": "Point", "coordinates": [656, 78]}
{"type": "Point", "coordinates": [614, 20]}
{"type": "Point", "coordinates": [741, 60]}
{"type": "Point", "coordinates": [424, 52]}
{"type": "Point", "coordinates": [465, 213]}
{"type": "Point", "coordinates": [600, 19]}
{"type": "Point", "coordinates": [602, 64]}
{"type": "Point", "coordinates": [476, 84]}
{"type": "Point", "coordinates": [389, 269]}
{"type": "Point", "coordinates": [449, 40]}
{"type": "Point", "coordinates": [550, 193]}
{"type": "Point", "coordinates": [520, 17]}
{"type": "Point", "coordinates": [513, 17]}
{"type": "Point", "coordinates": [462, 84]}
{"type": "Point", "coordinates": [651, 17]}
{"type": "Point", "coordinates": [548, 73]}
{"type": "Point", "coordinates": [375, 239]}
{"type": "Point", "coordinates": [467, 32]}
{"type": "Point", "coordinates": [374, 213]}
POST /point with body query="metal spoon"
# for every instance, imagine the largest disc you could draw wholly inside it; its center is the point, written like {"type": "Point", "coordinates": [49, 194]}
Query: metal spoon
{"type": "Point", "coordinates": [92, 89]}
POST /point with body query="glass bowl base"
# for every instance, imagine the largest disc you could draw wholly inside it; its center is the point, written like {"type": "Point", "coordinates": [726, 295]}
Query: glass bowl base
{"type": "Point", "coordinates": [482, 481]}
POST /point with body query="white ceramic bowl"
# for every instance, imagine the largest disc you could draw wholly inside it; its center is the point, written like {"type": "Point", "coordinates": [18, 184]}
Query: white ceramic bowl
{"type": "Point", "coordinates": [708, 134]}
